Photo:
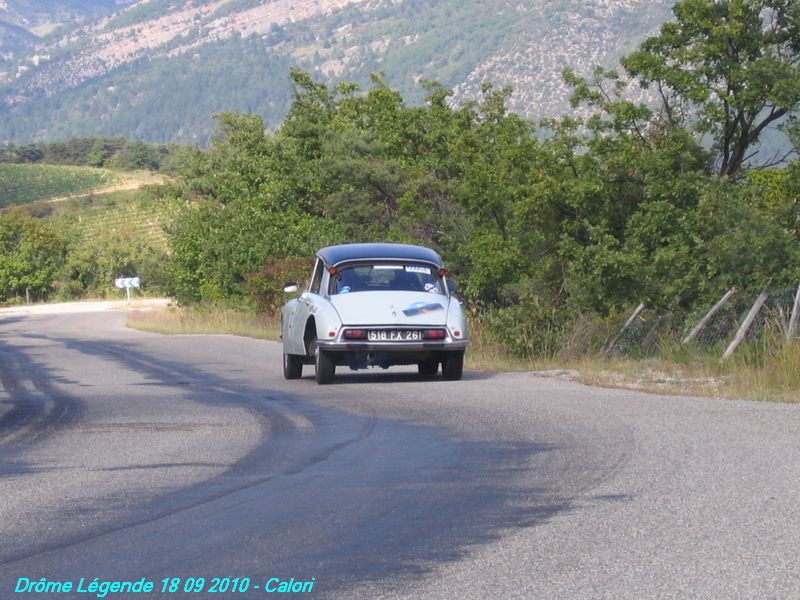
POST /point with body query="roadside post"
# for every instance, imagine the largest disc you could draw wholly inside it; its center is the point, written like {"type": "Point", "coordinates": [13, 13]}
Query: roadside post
{"type": "Point", "coordinates": [127, 283]}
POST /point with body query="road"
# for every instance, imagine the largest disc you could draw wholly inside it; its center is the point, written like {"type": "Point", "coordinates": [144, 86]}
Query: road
{"type": "Point", "coordinates": [126, 455]}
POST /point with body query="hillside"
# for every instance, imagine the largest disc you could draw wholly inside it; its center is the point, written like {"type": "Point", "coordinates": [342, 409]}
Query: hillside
{"type": "Point", "coordinates": [126, 213]}
{"type": "Point", "coordinates": [21, 184]}
{"type": "Point", "coordinates": [14, 40]}
{"type": "Point", "coordinates": [103, 224]}
{"type": "Point", "coordinates": [159, 69]}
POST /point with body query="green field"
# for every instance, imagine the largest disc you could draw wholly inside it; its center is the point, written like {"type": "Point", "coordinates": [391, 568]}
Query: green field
{"type": "Point", "coordinates": [21, 184]}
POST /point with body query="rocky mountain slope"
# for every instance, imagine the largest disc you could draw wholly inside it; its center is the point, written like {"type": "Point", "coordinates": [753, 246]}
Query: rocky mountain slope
{"type": "Point", "coordinates": [158, 69]}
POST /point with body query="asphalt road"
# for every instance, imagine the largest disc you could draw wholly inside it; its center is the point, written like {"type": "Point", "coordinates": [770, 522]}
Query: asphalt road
{"type": "Point", "coordinates": [126, 455]}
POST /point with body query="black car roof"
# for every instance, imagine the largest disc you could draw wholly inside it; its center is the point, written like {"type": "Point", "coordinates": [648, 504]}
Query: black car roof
{"type": "Point", "coordinates": [333, 255]}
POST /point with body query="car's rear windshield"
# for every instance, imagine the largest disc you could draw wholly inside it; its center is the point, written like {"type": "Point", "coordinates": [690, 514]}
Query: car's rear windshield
{"type": "Point", "coordinates": [386, 276]}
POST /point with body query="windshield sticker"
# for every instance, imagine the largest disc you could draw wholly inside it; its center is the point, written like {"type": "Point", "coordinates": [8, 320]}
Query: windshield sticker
{"type": "Point", "coordinates": [387, 267]}
{"type": "Point", "coordinates": [413, 269]}
{"type": "Point", "coordinates": [422, 307]}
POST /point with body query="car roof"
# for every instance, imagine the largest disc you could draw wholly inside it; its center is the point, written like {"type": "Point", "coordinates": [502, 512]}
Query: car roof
{"type": "Point", "coordinates": [333, 255]}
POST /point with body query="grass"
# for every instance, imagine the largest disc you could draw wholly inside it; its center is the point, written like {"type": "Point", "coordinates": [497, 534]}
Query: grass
{"type": "Point", "coordinates": [206, 320]}
{"type": "Point", "coordinates": [767, 370]}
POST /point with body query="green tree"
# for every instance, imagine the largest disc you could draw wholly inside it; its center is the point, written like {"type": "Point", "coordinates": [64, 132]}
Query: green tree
{"type": "Point", "coordinates": [732, 67]}
{"type": "Point", "coordinates": [239, 211]}
{"type": "Point", "coordinates": [31, 253]}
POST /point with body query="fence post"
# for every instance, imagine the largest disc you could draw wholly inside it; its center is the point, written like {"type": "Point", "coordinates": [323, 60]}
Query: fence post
{"type": "Point", "coordinates": [704, 321]}
{"type": "Point", "coordinates": [791, 330]}
{"type": "Point", "coordinates": [762, 298]}
{"type": "Point", "coordinates": [651, 336]}
{"type": "Point", "coordinates": [624, 327]}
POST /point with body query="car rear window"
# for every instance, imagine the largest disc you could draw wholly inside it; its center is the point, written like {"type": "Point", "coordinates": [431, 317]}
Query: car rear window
{"type": "Point", "coordinates": [386, 276]}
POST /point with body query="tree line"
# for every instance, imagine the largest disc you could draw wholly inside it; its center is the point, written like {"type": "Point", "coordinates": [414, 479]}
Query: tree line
{"type": "Point", "coordinates": [92, 151]}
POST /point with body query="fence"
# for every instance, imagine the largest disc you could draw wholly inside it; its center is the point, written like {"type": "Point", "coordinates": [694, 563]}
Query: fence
{"type": "Point", "coordinates": [735, 318]}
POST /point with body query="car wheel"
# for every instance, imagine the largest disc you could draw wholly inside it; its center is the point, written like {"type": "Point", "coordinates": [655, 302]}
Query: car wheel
{"type": "Point", "coordinates": [292, 366]}
{"type": "Point", "coordinates": [428, 367]}
{"type": "Point", "coordinates": [324, 367]}
{"type": "Point", "coordinates": [453, 366]}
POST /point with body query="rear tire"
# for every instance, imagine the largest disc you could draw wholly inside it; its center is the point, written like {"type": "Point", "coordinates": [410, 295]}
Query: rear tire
{"type": "Point", "coordinates": [292, 366]}
{"type": "Point", "coordinates": [324, 367]}
{"type": "Point", "coordinates": [428, 367]}
{"type": "Point", "coordinates": [453, 366]}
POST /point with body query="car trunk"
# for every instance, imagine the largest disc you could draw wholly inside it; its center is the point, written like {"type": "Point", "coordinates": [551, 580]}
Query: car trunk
{"type": "Point", "coordinates": [391, 308]}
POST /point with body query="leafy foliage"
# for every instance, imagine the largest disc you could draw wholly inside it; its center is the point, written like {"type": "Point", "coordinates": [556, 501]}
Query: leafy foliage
{"type": "Point", "coordinates": [238, 210]}
{"type": "Point", "coordinates": [30, 255]}
{"type": "Point", "coordinates": [621, 208]}
{"type": "Point", "coordinates": [266, 285]}
{"type": "Point", "coordinates": [733, 66]}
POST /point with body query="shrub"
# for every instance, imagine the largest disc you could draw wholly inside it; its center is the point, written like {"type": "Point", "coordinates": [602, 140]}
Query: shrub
{"type": "Point", "coordinates": [266, 285]}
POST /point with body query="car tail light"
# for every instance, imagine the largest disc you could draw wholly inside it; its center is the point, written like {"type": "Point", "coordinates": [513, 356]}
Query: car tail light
{"type": "Point", "coordinates": [355, 334]}
{"type": "Point", "coordinates": [433, 334]}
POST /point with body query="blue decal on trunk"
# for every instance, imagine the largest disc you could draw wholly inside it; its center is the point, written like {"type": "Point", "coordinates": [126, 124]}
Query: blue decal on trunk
{"type": "Point", "coordinates": [422, 307]}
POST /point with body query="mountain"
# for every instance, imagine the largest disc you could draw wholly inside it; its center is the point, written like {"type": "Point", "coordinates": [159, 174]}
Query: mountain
{"type": "Point", "coordinates": [37, 19]}
{"type": "Point", "coordinates": [158, 69]}
{"type": "Point", "coordinates": [14, 40]}
{"type": "Point", "coordinates": [32, 15]}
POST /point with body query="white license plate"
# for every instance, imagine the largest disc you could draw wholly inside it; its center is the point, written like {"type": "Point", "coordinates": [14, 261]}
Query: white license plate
{"type": "Point", "coordinates": [393, 335]}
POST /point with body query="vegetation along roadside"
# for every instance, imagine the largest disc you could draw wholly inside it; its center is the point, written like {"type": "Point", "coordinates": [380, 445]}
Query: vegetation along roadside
{"type": "Point", "coordinates": [556, 230]}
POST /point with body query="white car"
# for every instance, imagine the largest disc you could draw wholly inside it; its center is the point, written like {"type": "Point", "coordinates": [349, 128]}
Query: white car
{"type": "Point", "coordinates": [374, 305]}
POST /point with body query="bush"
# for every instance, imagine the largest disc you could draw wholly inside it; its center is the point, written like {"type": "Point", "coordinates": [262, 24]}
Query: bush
{"type": "Point", "coordinates": [266, 285]}
{"type": "Point", "coordinates": [529, 329]}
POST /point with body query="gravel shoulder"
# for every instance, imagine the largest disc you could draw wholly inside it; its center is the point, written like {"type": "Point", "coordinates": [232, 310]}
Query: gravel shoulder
{"type": "Point", "coordinates": [86, 306]}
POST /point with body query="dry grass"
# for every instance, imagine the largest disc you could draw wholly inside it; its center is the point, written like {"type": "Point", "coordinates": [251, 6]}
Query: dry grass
{"type": "Point", "coordinates": [771, 372]}
{"type": "Point", "coordinates": [205, 320]}
{"type": "Point", "coordinates": [774, 376]}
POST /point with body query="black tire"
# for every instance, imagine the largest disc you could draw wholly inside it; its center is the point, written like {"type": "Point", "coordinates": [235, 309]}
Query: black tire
{"type": "Point", "coordinates": [428, 367]}
{"type": "Point", "coordinates": [292, 366]}
{"type": "Point", "coordinates": [324, 367]}
{"type": "Point", "coordinates": [453, 366]}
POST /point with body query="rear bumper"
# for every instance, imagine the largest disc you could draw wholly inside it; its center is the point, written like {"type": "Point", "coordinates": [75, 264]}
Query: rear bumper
{"type": "Point", "coordinates": [389, 347]}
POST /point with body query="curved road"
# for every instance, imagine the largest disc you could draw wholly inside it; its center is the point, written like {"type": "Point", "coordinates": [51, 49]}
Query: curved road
{"type": "Point", "coordinates": [126, 455]}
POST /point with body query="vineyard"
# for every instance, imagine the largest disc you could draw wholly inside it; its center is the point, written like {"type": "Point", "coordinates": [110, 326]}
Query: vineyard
{"type": "Point", "coordinates": [130, 213]}
{"type": "Point", "coordinates": [23, 183]}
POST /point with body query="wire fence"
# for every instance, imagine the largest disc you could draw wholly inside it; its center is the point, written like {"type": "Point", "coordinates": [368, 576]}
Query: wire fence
{"type": "Point", "coordinates": [737, 318]}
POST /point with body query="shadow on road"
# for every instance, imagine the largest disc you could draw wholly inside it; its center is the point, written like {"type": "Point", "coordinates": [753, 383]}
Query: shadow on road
{"type": "Point", "coordinates": [344, 497]}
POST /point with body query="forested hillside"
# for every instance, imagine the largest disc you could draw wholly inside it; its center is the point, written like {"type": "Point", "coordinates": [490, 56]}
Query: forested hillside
{"type": "Point", "coordinates": [157, 70]}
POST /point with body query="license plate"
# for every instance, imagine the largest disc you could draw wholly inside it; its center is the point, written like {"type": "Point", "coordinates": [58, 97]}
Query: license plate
{"type": "Point", "coordinates": [394, 335]}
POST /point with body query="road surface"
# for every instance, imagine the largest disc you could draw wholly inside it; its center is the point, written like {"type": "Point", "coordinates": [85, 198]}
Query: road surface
{"type": "Point", "coordinates": [126, 455]}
